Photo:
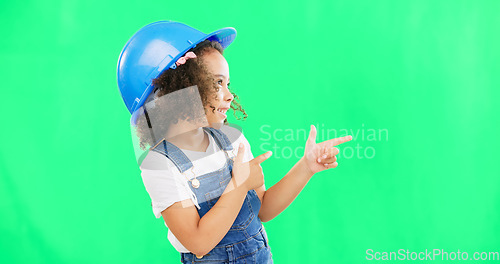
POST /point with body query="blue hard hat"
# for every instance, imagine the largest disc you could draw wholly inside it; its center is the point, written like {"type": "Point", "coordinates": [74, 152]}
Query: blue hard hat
{"type": "Point", "coordinates": [154, 48]}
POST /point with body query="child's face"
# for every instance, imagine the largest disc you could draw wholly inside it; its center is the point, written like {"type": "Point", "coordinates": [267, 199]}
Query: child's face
{"type": "Point", "coordinates": [218, 66]}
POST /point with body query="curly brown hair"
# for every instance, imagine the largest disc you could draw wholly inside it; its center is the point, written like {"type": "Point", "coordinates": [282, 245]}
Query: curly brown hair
{"type": "Point", "coordinates": [155, 120]}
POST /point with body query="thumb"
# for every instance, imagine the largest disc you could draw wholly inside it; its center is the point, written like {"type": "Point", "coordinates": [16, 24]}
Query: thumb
{"type": "Point", "coordinates": [259, 159]}
{"type": "Point", "coordinates": [312, 135]}
{"type": "Point", "coordinates": [241, 153]}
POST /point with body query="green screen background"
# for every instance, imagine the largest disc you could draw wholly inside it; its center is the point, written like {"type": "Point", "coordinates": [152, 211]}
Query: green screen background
{"type": "Point", "coordinates": [421, 77]}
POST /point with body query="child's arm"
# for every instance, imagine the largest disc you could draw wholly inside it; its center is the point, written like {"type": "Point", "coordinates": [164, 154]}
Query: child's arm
{"type": "Point", "coordinates": [201, 235]}
{"type": "Point", "coordinates": [317, 157]}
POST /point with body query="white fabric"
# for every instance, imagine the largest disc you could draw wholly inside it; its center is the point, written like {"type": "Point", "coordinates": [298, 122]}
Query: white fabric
{"type": "Point", "coordinates": [166, 185]}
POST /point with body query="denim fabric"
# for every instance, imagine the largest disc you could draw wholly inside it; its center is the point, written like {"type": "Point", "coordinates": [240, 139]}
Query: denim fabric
{"type": "Point", "coordinates": [246, 240]}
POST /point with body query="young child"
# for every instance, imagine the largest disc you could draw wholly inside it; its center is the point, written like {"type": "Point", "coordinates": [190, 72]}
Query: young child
{"type": "Point", "coordinates": [200, 173]}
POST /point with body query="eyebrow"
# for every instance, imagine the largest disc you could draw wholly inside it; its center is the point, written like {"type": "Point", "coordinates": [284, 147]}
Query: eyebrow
{"type": "Point", "coordinates": [220, 75]}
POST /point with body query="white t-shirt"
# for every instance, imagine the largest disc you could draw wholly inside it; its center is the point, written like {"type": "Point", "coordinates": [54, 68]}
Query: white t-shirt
{"type": "Point", "coordinates": [166, 185]}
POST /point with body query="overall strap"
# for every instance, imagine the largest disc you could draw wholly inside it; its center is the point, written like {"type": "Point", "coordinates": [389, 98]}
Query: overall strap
{"type": "Point", "coordinates": [176, 155]}
{"type": "Point", "coordinates": [220, 138]}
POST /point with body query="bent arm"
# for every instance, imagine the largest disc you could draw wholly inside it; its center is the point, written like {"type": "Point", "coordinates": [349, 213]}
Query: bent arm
{"type": "Point", "coordinates": [199, 236]}
{"type": "Point", "coordinates": [281, 195]}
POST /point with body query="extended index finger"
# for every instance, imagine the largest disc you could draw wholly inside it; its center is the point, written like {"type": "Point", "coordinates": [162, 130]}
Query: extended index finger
{"type": "Point", "coordinates": [261, 158]}
{"type": "Point", "coordinates": [340, 140]}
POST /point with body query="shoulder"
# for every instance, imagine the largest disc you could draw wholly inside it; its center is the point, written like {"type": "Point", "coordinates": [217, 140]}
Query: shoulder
{"type": "Point", "coordinates": [155, 161]}
{"type": "Point", "coordinates": [161, 178]}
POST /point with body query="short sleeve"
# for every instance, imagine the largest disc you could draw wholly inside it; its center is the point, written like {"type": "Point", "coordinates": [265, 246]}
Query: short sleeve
{"type": "Point", "coordinates": [162, 183]}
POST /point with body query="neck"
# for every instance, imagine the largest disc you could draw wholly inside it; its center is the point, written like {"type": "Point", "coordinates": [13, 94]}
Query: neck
{"type": "Point", "coordinates": [187, 136]}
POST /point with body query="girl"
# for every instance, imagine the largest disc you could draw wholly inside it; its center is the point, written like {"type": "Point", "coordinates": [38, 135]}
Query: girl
{"type": "Point", "coordinates": [201, 175]}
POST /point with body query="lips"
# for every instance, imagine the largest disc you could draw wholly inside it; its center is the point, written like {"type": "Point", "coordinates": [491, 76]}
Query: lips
{"type": "Point", "coordinates": [222, 111]}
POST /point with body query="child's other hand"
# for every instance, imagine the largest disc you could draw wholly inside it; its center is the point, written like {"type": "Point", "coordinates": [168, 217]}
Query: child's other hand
{"type": "Point", "coordinates": [248, 174]}
{"type": "Point", "coordinates": [322, 156]}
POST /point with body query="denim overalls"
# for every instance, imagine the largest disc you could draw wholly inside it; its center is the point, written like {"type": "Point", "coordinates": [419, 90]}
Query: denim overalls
{"type": "Point", "coordinates": [246, 240]}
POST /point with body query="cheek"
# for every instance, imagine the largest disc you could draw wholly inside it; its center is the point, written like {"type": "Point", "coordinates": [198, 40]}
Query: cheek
{"type": "Point", "coordinates": [215, 101]}
{"type": "Point", "coordinates": [208, 109]}
{"type": "Point", "coordinates": [220, 96]}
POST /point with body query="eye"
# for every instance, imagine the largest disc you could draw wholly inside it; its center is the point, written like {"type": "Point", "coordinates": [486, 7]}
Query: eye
{"type": "Point", "coordinates": [219, 82]}
{"type": "Point", "coordinates": [228, 84]}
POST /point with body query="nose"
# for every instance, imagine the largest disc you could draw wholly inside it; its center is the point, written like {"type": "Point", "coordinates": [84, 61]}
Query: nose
{"type": "Point", "coordinates": [228, 96]}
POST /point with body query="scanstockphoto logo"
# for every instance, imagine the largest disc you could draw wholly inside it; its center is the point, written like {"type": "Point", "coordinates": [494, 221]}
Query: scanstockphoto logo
{"type": "Point", "coordinates": [279, 139]}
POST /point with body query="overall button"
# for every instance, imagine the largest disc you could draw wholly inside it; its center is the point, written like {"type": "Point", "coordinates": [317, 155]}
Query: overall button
{"type": "Point", "coordinates": [196, 183]}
